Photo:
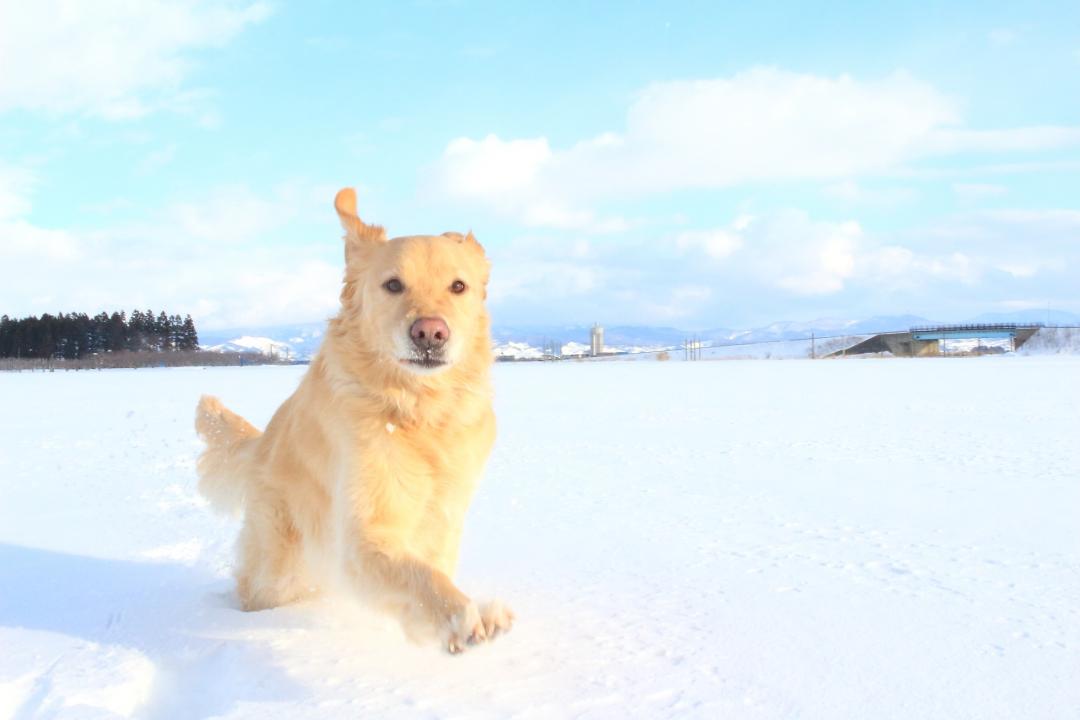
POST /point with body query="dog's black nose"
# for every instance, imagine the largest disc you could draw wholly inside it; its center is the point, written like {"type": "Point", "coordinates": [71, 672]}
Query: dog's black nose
{"type": "Point", "coordinates": [429, 333]}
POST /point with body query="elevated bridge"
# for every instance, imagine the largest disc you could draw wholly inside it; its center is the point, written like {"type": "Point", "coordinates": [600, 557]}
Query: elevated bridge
{"type": "Point", "coordinates": [971, 332]}
{"type": "Point", "coordinates": [927, 340]}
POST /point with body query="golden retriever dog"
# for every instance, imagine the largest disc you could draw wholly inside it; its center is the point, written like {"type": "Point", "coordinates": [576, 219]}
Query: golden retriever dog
{"type": "Point", "coordinates": [362, 478]}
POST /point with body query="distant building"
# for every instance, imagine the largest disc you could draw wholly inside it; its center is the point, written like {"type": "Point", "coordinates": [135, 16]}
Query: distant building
{"type": "Point", "coordinates": [596, 340]}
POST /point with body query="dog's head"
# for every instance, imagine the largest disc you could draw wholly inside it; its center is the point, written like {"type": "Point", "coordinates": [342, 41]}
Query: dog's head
{"type": "Point", "coordinates": [416, 301]}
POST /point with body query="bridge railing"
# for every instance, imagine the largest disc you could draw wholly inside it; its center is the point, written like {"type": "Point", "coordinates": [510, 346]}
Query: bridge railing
{"type": "Point", "coordinates": [977, 327]}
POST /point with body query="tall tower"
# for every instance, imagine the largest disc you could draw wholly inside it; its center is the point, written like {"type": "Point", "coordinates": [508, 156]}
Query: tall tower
{"type": "Point", "coordinates": [596, 340]}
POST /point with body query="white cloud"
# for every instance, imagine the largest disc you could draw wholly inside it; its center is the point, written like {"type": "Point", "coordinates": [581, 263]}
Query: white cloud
{"type": "Point", "coordinates": [552, 215]}
{"type": "Point", "coordinates": [109, 58]}
{"type": "Point", "coordinates": [231, 214]}
{"type": "Point", "coordinates": [787, 250]}
{"type": "Point", "coordinates": [717, 244]}
{"type": "Point", "coordinates": [682, 301]}
{"type": "Point", "coordinates": [504, 175]}
{"type": "Point", "coordinates": [682, 278]}
{"type": "Point", "coordinates": [21, 241]}
{"type": "Point", "coordinates": [898, 267]}
{"type": "Point", "coordinates": [531, 269]}
{"type": "Point", "coordinates": [767, 124]}
{"type": "Point", "coordinates": [978, 249]}
{"type": "Point", "coordinates": [803, 256]}
{"type": "Point", "coordinates": [493, 168]}
{"type": "Point", "coordinates": [1020, 271]}
{"type": "Point", "coordinates": [764, 266]}
{"type": "Point", "coordinates": [762, 125]}
{"type": "Point", "coordinates": [279, 292]}
{"type": "Point", "coordinates": [15, 186]}
{"type": "Point", "coordinates": [853, 193]}
{"type": "Point", "coordinates": [219, 257]}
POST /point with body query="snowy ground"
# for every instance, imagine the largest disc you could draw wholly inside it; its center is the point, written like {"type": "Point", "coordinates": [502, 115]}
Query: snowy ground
{"type": "Point", "coordinates": [842, 539]}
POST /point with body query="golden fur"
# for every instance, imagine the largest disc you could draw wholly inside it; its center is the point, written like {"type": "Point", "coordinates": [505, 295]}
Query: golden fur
{"type": "Point", "coordinates": [363, 476]}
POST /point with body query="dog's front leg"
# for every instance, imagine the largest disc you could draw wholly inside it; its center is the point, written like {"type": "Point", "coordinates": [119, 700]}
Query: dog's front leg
{"type": "Point", "coordinates": [425, 590]}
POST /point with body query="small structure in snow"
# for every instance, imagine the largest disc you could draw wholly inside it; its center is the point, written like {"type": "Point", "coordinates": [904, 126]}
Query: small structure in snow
{"type": "Point", "coordinates": [596, 340]}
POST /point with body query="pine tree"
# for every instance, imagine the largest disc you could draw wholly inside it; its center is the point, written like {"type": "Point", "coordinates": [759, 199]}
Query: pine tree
{"type": "Point", "coordinates": [176, 329]}
{"type": "Point", "coordinates": [100, 330]}
{"type": "Point", "coordinates": [45, 343]}
{"type": "Point", "coordinates": [18, 338]}
{"type": "Point", "coordinates": [149, 331]}
{"type": "Point", "coordinates": [117, 337]}
{"type": "Point", "coordinates": [161, 328]}
{"type": "Point", "coordinates": [7, 328]}
{"type": "Point", "coordinates": [190, 337]}
{"type": "Point", "coordinates": [136, 338]}
{"type": "Point", "coordinates": [84, 335]}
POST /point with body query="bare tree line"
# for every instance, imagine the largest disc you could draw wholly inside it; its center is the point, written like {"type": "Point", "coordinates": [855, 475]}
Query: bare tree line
{"type": "Point", "coordinates": [130, 359]}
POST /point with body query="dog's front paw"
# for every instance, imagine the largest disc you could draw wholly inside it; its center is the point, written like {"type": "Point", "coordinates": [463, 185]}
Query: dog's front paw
{"type": "Point", "coordinates": [464, 627]}
{"type": "Point", "coordinates": [497, 618]}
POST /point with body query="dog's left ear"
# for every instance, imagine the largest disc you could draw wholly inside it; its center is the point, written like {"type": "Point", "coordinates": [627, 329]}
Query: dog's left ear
{"type": "Point", "coordinates": [357, 233]}
{"type": "Point", "coordinates": [466, 239]}
{"type": "Point", "coordinates": [470, 239]}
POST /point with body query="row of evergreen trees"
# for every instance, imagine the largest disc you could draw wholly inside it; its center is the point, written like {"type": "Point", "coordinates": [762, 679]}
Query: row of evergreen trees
{"type": "Point", "coordinates": [76, 335]}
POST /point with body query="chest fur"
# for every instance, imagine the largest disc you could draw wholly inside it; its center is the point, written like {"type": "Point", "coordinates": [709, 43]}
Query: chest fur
{"type": "Point", "coordinates": [416, 479]}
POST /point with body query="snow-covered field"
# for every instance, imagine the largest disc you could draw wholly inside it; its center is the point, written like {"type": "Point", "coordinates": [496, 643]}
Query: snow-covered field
{"type": "Point", "coordinates": [845, 539]}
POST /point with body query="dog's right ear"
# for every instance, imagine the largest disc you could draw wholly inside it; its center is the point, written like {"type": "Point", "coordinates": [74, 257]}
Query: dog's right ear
{"type": "Point", "coordinates": [357, 233]}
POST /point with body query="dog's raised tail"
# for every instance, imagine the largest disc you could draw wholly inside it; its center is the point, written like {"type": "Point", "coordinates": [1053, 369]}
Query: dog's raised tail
{"type": "Point", "coordinates": [224, 466]}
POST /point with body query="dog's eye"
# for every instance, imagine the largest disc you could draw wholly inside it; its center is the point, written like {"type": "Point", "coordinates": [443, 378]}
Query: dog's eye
{"type": "Point", "coordinates": [457, 287]}
{"type": "Point", "coordinates": [393, 285]}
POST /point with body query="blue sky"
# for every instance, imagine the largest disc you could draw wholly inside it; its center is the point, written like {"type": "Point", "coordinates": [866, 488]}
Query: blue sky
{"type": "Point", "coordinates": [688, 164]}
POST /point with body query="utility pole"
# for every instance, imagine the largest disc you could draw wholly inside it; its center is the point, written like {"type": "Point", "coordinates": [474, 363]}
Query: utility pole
{"type": "Point", "coordinates": [813, 346]}
{"type": "Point", "coordinates": [692, 348]}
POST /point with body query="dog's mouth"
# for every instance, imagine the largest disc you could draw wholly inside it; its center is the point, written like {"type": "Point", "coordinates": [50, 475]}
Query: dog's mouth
{"type": "Point", "coordinates": [428, 361]}
{"type": "Point", "coordinates": [424, 362]}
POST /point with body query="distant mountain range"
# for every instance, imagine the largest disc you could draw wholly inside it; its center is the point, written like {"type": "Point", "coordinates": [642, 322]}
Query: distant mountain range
{"type": "Point", "coordinates": [300, 342]}
{"type": "Point", "coordinates": [653, 336]}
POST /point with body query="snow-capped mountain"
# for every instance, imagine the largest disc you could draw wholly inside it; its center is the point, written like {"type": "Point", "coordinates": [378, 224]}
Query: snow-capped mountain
{"type": "Point", "coordinates": [297, 342]}
{"type": "Point", "coordinates": [517, 351]}
{"type": "Point", "coordinates": [301, 342]}
{"type": "Point", "coordinates": [249, 343]}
